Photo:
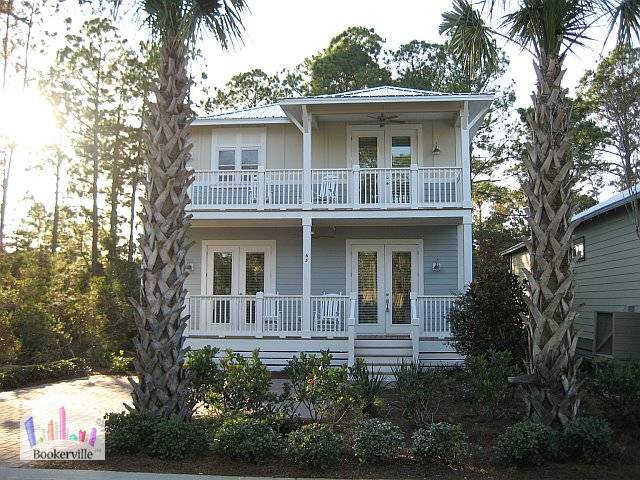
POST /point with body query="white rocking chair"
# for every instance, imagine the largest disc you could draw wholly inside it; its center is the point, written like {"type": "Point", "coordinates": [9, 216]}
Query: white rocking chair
{"type": "Point", "coordinates": [327, 193]}
{"type": "Point", "coordinates": [329, 316]}
{"type": "Point", "coordinates": [271, 315]}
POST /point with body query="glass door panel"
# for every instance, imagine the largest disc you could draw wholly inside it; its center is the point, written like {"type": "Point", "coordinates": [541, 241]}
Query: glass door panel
{"type": "Point", "coordinates": [400, 158]}
{"type": "Point", "coordinates": [253, 282]}
{"type": "Point", "coordinates": [400, 287]}
{"type": "Point", "coordinates": [401, 278]}
{"type": "Point", "coordinates": [368, 282]}
{"type": "Point", "coordinates": [223, 283]}
{"type": "Point", "coordinates": [367, 152]}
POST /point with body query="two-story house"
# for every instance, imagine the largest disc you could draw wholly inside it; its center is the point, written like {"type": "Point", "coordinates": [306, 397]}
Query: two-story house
{"type": "Point", "coordinates": [339, 222]}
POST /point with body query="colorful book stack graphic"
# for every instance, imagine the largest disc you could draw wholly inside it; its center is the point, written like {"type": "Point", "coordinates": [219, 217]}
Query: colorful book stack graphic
{"type": "Point", "coordinates": [57, 430]}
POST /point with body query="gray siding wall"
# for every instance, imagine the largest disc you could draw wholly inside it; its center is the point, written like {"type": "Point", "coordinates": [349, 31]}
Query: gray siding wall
{"type": "Point", "coordinates": [329, 255]}
{"type": "Point", "coordinates": [608, 280]}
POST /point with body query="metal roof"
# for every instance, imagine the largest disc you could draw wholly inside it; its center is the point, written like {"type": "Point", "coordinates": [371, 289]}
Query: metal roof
{"type": "Point", "coordinates": [274, 113]}
{"type": "Point", "coordinates": [384, 91]}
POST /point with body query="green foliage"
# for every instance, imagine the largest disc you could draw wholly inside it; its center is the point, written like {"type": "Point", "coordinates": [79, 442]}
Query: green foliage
{"type": "Point", "coordinates": [128, 432]}
{"type": "Point", "coordinates": [248, 439]}
{"type": "Point", "coordinates": [247, 384]}
{"type": "Point", "coordinates": [588, 439]}
{"type": "Point", "coordinates": [487, 375]}
{"type": "Point", "coordinates": [204, 373]}
{"type": "Point", "coordinates": [419, 391]}
{"type": "Point", "coordinates": [315, 444]}
{"type": "Point", "coordinates": [322, 389]}
{"type": "Point", "coordinates": [617, 383]}
{"type": "Point", "coordinates": [119, 362]}
{"type": "Point", "coordinates": [349, 62]}
{"type": "Point", "coordinates": [164, 438]}
{"type": "Point", "coordinates": [368, 387]}
{"type": "Point", "coordinates": [439, 442]}
{"type": "Point", "coordinates": [175, 440]}
{"type": "Point", "coordinates": [375, 440]}
{"type": "Point", "coordinates": [487, 316]}
{"type": "Point", "coordinates": [21, 376]}
{"type": "Point", "coordinates": [526, 443]}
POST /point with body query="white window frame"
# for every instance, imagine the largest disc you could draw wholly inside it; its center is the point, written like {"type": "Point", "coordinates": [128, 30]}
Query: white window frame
{"type": "Point", "coordinates": [238, 145]}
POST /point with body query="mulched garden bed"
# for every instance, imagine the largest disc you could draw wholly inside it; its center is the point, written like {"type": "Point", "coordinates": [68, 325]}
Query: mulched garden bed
{"type": "Point", "coordinates": [481, 434]}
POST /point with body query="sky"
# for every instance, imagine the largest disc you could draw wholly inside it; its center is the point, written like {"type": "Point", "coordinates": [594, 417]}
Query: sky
{"type": "Point", "coordinates": [281, 33]}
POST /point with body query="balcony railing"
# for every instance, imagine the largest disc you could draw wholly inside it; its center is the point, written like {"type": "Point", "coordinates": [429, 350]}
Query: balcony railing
{"type": "Point", "coordinates": [415, 187]}
{"type": "Point", "coordinates": [265, 315]}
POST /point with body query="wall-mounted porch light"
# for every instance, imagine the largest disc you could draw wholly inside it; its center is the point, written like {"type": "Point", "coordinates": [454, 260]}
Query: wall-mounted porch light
{"type": "Point", "coordinates": [436, 266]}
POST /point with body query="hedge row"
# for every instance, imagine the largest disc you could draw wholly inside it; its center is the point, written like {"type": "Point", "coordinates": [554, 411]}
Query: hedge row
{"type": "Point", "coordinates": [24, 375]}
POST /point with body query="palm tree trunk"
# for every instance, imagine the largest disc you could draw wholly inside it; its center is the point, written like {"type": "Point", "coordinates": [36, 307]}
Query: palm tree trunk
{"type": "Point", "coordinates": [550, 385]}
{"type": "Point", "coordinates": [159, 344]}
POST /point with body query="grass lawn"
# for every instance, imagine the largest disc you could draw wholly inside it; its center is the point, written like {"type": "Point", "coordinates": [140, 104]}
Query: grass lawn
{"type": "Point", "coordinates": [481, 434]}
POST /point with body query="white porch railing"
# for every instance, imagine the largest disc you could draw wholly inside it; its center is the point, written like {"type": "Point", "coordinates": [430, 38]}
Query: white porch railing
{"type": "Point", "coordinates": [414, 187]}
{"type": "Point", "coordinates": [433, 314]}
{"type": "Point", "coordinates": [329, 315]}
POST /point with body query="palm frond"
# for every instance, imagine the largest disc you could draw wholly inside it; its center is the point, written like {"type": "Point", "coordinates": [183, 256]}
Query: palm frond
{"type": "Point", "coordinates": [548, 25]}
{"type": "Point", "coordinates": [471, 39]}
{"type": "Point", "coordinates": [625, 14]}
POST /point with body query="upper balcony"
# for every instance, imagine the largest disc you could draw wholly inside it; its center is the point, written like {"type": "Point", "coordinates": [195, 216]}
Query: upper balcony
{"type": "Point", "coordinates": [330, 188]}
{"type": "Point", "coordinates": [374, 149]}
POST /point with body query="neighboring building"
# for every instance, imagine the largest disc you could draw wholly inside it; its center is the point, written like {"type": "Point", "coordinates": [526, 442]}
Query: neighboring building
{"type": "Point", "coordinates": [339, 222]}
{"type": "Point", "coordinates": [607, 278]}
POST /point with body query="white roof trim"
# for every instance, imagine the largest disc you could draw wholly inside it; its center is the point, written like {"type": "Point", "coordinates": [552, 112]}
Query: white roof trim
{"type": "Point", "coordinates": [239, 121]}
{"type": "Point", "coordinates": [387, 99]}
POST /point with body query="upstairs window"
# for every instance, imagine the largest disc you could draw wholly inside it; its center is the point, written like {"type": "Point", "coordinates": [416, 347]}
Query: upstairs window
{"type": "Point", "coordinates": [238, 158]}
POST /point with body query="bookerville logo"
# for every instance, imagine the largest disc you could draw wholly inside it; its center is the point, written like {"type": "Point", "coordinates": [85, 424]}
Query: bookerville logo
{"type": "Point", "coordinates": [61, 429]}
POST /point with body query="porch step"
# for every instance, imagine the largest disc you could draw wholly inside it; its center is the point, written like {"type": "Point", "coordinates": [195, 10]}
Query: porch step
{"type": "Point", "coordinates": [384, 352]}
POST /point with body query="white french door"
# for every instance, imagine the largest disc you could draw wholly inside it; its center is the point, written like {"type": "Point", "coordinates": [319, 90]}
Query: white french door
{"type": "Point", "coordinates": [383, 275]}
{"type": "Point", "coordinates": [234, 274]}
{"type": "Point", "coordinates": [384, 155]}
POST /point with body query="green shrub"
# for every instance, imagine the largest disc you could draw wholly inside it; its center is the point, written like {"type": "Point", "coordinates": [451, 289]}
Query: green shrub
{"type": "Point", "coordinates": [618, 384]}
{"type": "Point", "coordinates": [315, 444]}
{"type": "Point", "coordinates": [128, 432]}
{"type": "Point", "coordinates": [204, 374]}
{"type": "Point", "coordinates": [247, 438]}
{"type": "Point", "coordinates": [419, 391]}
{"type": "Point", "coordinates": [368, 386]}
{"type": "Point", "coordinates": [375, 440]}
{"type": "Point", "coordinates": [487, 376]}
{"type": "Point", "coordinates": [588, 439]}
{"type": "Point", "coordinates": [322, 389]}
{"type": "Point", "coordinates": [487, 316]}
{"type": "Point", "coordinates": [176, 440]}
{"type": "Point", "coordinates": [526, 443]}
{"type": "Point", "coordinates": [119, 362]}
{"type": "Point", "coordinates": [440, 442]}
{"type": "Point", "coordinates": [24, 375]}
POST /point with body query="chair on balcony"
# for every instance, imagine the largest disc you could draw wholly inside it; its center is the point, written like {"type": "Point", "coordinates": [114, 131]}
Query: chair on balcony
{"type": "Point", "coordinates": [327, 193]}
{"type": "Point", "coordinates": [329, 317]}
{"type": "Point", "coordinates": [252, 189]}
{"type": "Point", "coordinates": [271, 315]}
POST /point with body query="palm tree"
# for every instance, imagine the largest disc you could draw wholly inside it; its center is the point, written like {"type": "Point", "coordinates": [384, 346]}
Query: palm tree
{"type": "Point", "coordinates": [549, 30]}
{"type": "Point", "coordinates": [159, 344]}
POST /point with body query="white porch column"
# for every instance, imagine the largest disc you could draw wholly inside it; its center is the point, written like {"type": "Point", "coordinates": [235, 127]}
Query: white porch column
{"type": "Point", "coordinates": [306, 277]}
{"type": "Point", "coordinates": [466, 155]}
{"type": "Point", "coordinates": [465, 250]}
{"type": "Point", "coordinates": [307, 121]}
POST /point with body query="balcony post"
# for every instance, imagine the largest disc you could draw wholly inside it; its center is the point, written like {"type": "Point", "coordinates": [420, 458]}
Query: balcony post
{"type": "Point", "coordinates": [351, 329]}
{"type": "Point", "coordinates": [259, 314]}
{"type": "Point", "coordinates": [356, 186]}
{"type": "Point", "coordinates": [306, 277]}
{"type": "Point", "coordinates": [306, 158]}
{"type": "Point", "coordinates": [261, 188]}
{"type": "Point", "coordinates": [413, 185]}
{"type": "Point", "coordinates": [465, 246]}
{"type": "Point", "coordinates": [415, 328]}
{"type": "Point", "coordinates": [466, 156]}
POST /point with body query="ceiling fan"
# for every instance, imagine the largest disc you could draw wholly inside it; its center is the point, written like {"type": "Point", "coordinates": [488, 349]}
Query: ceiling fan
{"type": "Point", "coordinates": [383, 119]}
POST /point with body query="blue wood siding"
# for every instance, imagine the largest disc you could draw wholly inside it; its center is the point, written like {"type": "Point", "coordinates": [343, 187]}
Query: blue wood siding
{"type": "Point", "coordinates": [329, 254]}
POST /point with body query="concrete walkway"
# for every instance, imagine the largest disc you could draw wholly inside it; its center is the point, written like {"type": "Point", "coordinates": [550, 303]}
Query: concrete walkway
{"type": "Point", "coordinates": [104, 393]}
{"type": "Point", "coordinates": [41, 474]}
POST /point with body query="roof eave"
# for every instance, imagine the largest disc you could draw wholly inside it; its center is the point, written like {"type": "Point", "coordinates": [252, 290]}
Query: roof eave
{"type": "Point", "coordinates": [239, 121]}
{"type": "Point", "coordinates": [385, 99]}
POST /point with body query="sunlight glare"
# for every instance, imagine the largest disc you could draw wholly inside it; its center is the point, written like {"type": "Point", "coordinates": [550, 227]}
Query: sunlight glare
{"type": "Point", "coordinates": [27, 119]}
